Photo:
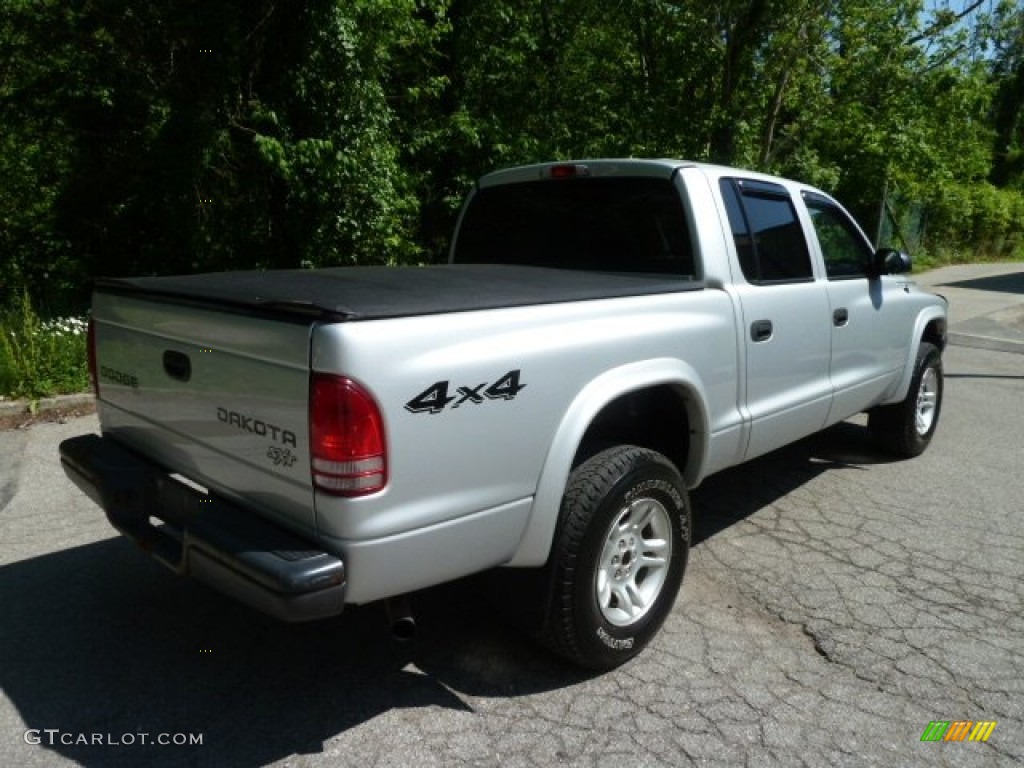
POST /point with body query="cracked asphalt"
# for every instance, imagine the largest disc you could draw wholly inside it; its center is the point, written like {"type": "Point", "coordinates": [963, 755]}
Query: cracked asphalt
{"type": "Point", "coordinates": [836, 602]}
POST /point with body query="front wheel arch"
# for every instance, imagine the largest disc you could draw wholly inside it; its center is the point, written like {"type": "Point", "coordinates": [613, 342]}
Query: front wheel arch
{"type": "Point", "coordinates": [906, 428]}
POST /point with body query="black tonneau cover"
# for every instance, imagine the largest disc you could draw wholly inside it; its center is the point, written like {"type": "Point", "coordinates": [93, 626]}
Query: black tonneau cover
{"type": "Point", "coordinates": [368, 293]}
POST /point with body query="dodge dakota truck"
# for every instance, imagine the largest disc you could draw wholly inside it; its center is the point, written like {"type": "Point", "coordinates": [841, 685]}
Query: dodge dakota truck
{"type": "Point", "coordinates": [607, 334]}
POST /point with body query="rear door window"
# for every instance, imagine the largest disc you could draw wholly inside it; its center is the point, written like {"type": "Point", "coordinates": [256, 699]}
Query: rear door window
{"type": "Point", "coordinates": [769, 240]}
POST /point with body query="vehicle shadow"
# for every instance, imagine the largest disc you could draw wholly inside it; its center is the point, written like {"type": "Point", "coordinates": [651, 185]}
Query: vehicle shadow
{"type": "Point", "coordinates": [1009, 283]}
{"type": "Point", "coordinates": [735, 494]}
{"type": "Point", "coordinates": [99, 639]}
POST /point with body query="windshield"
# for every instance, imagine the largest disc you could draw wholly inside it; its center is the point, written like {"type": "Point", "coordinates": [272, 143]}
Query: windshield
{"type": "Point", "coordinates": [605, 224]}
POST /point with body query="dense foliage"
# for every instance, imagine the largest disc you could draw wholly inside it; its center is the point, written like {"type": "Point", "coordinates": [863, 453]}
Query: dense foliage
{"type": "Point", "coordinates": [40, 357]}
{"type": "Point", "coordinates": [182, 136]}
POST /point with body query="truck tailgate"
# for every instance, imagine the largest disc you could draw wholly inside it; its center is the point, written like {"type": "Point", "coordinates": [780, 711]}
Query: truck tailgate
{"type": "Point", "coordinates": [219, 397]}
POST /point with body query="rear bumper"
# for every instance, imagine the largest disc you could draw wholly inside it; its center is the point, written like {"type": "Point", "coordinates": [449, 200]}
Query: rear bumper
{"type": "Point", "coordinates": [206, 537]}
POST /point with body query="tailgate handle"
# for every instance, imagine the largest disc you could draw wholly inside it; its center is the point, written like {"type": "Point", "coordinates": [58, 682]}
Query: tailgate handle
{"type": "Point", "coordinates": [177, 365]}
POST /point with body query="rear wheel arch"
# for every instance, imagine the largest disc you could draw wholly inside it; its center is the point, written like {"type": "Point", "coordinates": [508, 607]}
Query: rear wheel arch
{"type": "Point", "coordinates": [593, 421]}
{"type": "Point", "coordinates": [656, 417]}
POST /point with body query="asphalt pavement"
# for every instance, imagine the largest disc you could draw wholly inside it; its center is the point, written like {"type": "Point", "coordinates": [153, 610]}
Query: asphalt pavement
{"type": "Point", "coordinates": [986, 303]}
{"type": "Point", "coordinates": [836, 603]}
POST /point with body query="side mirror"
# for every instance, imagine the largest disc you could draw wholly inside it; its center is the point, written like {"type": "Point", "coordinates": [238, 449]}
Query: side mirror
{"type": "Point", "coordinates": [888, 261]}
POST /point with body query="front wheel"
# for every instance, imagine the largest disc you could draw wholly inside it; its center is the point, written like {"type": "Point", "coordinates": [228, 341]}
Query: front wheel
{"type": "Point", "coordinates": [618, 558]}
{"type": "Point", "coordinates": [906, 428]}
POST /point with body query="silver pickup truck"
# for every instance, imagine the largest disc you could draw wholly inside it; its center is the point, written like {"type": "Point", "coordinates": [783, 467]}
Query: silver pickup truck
{"type": "Point", "coordinates": [607, 334]}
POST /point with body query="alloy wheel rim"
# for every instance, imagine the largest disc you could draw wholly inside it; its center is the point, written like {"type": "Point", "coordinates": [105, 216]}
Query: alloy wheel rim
{"type": "Point", "coordinates": [634, 561]}
{"type": "Point", "coordinates": [927, 401]}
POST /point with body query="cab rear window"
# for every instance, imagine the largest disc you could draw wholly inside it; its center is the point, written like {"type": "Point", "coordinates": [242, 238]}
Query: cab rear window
{"type": "Point", "coordinates": [633, 225]}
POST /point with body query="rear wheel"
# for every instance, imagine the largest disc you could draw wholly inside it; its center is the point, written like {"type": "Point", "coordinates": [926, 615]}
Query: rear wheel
{"type": "Point", "coordinates": [618, 558]}
{"type": "Point", "coordinates": [906, 428]}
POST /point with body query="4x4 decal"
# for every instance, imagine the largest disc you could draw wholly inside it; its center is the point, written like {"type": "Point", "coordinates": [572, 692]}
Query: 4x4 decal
{"type": "Point", "coordinates": [435, 398]}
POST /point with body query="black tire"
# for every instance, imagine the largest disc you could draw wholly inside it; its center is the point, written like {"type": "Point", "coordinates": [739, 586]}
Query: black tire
{"type": "Point", "coordinates": [609, 589]}
{"type": "Point", "coordinates": [906, 428]}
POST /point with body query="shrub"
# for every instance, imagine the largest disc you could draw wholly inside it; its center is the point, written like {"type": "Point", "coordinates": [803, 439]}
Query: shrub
{"type": "Point", "coordinates": [39, 357]}
{"type": "Point", "coordinates": [976, 222]}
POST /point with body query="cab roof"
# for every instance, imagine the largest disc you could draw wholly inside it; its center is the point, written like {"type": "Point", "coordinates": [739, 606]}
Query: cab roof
{"type": "Point", "coordinates": [663, 168]}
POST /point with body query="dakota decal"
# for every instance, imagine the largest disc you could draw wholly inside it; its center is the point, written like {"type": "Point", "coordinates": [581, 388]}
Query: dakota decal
{"type": "Point", "coordinates": [256, 426]}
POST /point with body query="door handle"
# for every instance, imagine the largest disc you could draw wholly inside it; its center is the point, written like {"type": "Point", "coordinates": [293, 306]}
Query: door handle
{"type": "Point", "coordinates": [761, 330]}
{"type": "Point", "coordinates": [840, 317]}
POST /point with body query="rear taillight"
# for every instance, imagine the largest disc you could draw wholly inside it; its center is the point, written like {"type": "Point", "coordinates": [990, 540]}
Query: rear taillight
{"type": "Point", "coordinates": [347, 446]}
{"type": "Point", "coordinates": [90, 351]}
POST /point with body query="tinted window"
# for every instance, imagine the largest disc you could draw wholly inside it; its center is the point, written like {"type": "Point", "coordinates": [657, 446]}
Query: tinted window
{"type": "Point", "coordinates": [769, 240]}
{"type": "Point", "coordinates": [740, 232]}
{"type": "Point", "coordinates": [842, 246]}
{"type": "Point", "coordinates": [606, 224]}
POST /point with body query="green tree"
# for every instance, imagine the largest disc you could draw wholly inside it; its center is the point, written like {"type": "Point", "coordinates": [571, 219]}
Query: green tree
{"type": "Point", "coordinates": [33, 155]}
{"type": "Point", "coordinates": [187, 136]}
{"type": "Point", "coordinates": [176, 137]}
{"type": "Point", "coordinates": [1008, 105]}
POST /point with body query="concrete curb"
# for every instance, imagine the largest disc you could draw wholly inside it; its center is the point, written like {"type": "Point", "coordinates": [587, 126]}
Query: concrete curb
{"type": "Point", "coordinates": [43, 404]}
{"type": "Point", "coordinates": [985, 342]}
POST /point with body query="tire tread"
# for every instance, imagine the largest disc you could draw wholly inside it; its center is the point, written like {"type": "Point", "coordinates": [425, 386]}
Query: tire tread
{"type": "Point", "coordinates": [892, 426]}
{"type": "Point", "coordinates": [588, 486]}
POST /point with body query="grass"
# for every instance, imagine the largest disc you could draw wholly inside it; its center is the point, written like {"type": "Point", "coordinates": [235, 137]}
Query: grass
{"type": "Point", "coordinates": [41, 358]}
{"type": "Point", "coordinates": [937, 255]}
